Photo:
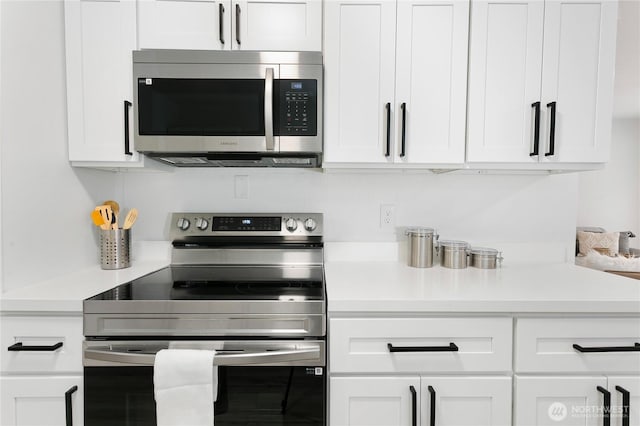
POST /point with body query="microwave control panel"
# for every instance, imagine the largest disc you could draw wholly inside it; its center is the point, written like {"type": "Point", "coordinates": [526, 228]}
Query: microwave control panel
{"type": "Point", "coordinates": [297, 115]}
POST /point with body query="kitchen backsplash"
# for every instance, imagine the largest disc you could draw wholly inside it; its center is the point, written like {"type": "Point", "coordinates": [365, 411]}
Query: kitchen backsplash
{"type": "Point", "coordinates": [475, 208]}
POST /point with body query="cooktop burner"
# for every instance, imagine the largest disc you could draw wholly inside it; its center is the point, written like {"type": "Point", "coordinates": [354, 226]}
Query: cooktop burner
{"type": "Point", "coordinates": [222, 283]}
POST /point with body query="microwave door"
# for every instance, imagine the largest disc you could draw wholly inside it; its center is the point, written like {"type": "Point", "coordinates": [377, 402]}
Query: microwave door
{"type": "Point", "coordinates": [184, 109]}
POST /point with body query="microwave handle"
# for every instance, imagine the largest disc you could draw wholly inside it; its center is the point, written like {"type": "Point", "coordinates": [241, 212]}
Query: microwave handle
{"type": "Point", "coordinates": [243, 358]}
{"type": "Point", "coordinates": [268, 109]}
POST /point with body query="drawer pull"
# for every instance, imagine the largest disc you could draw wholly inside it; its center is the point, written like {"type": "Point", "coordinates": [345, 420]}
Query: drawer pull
{"type": "Point", "coordinates": [626, 401]}
{"type": "Point", "coordinates": [414, 406]}
{"type": "Point", "coordinates": [452, 347]}
{"type": "Point", "coordinates": [19, 347]}
{"type": "Point", "coordinates": [634, 348]}
{"type": "Point", "coordinates": [606, 412]}
{"type": "Point", "coordinates": [68, 405]}
{"type": "Point", "coordinates": [432, 401]}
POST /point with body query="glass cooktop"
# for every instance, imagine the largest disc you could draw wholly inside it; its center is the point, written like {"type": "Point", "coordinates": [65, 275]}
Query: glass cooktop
{"type": "Point", "coordinates": [223, 283]}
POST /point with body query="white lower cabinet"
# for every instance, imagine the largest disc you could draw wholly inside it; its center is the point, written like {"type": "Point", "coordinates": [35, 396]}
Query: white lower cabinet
{"type": "Point", "coordinates": [546, 401]}
{"type": "Point", "coordinates": [41, 401]}
{"type": "Point", "coordinates": [416, 400]}
{"type": "Point", "coordinates": [41, 370]}
{"type": "Point", "coordinates": [372, 401]}
{"type": "Point", "coordinates": [397, 371]}
{"type": "Point", "coordinates": [575, 371]}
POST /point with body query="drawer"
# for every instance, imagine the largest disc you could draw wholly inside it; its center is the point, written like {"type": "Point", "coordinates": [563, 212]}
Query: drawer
{"type": "Point", "coordinates": [46, 332]}
{"type": "Point", "coordinates": [607, 344]}
{"type": "Point", "coordinates": [362, 345]}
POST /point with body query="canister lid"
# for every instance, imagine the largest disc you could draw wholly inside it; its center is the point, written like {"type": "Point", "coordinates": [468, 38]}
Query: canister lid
{"type": "Point", "coordinates": [419, 230]}
{"type": "Point", "coordinates": [454, 245]}
{"type": "Point", "coordinates": [484, 251]}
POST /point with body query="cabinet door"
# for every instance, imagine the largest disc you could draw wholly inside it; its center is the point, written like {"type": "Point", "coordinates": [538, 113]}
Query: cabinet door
{"type": "Point", "coordinates": [431, 80]}
{"type": "Point", "coordinates": [184, 24]}
{"type": "Point", "coordinates": [99, 38]}
{"type": "Point", "coordinates": [277, 25]}
{"type": "Point", "coordinates": [359, 61]}
{"type": "Point", "coordinates": [505, 66]}
{"type": "Point", "coordinates": [617, 386]}
{"type": "Point", "coordinates": [551, 401]}
{"type": "Point", "coordinates": [579, 59]}
{"type": "Point", "coordinates": [373, 401]}
{"type": "Point", "coordinates": [41, 400]}
{"type": "Point", "coordinates": [466, 401]}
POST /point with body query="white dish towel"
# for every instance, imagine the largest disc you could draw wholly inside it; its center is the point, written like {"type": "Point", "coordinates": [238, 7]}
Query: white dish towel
{"type": "Point", "coordinates": [185, 387]}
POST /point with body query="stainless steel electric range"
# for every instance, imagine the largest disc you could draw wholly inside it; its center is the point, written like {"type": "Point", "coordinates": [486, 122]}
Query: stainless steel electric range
{"type": "Point", "coordinates": [250, 286]}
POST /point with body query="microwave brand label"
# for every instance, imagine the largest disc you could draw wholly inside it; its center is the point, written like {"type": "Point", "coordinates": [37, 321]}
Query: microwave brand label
{"type": "Point", "coordinates": [228, 143]}
{"type": "Point", "coordinates": [147, 81]}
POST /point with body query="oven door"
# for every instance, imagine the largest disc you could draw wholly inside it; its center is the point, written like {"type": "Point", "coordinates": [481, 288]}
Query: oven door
{"type": "Point", "coordinates": [201, 108]}
{"type": "Point", "coordinates": [259, 383]}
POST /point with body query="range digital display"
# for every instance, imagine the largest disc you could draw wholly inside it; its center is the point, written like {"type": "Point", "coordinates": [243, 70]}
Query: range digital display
{"type": "Point", "coordinates": [247, 223]}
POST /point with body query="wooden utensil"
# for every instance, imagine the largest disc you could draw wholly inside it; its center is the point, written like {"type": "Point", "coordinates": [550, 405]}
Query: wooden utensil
{"type": "Point", "coordinates": [130, 219]}
{"type": "Point", "coordinates": [107, 216]}
{"type": "Point", "coordinates": [115, 209]}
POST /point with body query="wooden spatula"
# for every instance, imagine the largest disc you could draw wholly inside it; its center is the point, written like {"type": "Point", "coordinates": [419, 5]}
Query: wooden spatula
{"type": "Point", "coordinates": [130, 219]}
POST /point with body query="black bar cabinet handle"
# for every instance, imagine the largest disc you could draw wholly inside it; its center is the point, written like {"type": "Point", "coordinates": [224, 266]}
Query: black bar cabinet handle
{"type": "Point", "coordinates": [388, 149]}
{"type": "Point", "coordinates": [552, 131]}
{"type": "Point", "coordinates": [606, 415]}
{"type": "Point", "coordinates": [432, 402]}
{"type": "Point", "coordinates": [403, 106]}
{"type": "Point", "coordinates": [19, 347]}
{"type": "Point", "coordinates": [452, 347]}
{"type": "Point", "coordinates": [536, 130]}
{"type": "Point", "coordinates": [127, 149]}
{"type": "Point", "coordinates": [238, 23]}
{"type": "Point", "coordinates": [626, 402]}
{"type": "Point", "coordinates": [414, 406]}
{"type": "Point", "coordinates": [68, 406]}
{"type": "Point", "coordinates": [221, 22]}
{"type": "Point", "coordinates": [634, 348]}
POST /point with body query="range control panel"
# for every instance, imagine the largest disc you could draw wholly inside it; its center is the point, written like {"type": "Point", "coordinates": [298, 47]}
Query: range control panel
{"type": "Point", "coordinates": [298, 108]}
{"type": "Point", "coordinates": [250, 224]}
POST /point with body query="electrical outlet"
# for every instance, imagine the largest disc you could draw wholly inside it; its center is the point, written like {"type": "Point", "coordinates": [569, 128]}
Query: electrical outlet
{"type": "Point", "coordinates": [387, 216]}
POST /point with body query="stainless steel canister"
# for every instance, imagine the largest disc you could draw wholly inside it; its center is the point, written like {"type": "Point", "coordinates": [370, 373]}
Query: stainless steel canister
{"type": "Point", "coordinates": [484, 258]}
{"type": "Point", "coordinates": [114, 248]}
{"type": "Point", "coordinates": [453, 254]}
{"type": "Point", "coordinates": [421, 241]}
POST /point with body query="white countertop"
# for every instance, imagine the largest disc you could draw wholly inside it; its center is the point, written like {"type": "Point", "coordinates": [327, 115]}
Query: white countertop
{"type": "Point", "coordinates": [65, 294]}
{"type": "Point", "coordinates": [382, 284]}
{"type": "Point", "coordinates": [394, 287]}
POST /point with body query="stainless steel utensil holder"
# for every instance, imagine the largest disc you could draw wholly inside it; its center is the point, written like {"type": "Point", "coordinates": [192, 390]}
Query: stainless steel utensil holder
{"type": "Point", "coordinates": [115, 248]}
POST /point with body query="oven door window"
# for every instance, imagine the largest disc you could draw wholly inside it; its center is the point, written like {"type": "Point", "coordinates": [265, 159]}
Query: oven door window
{"type": "Point", "coordinates": [247, 396]}
{"type": "Point", "coordinates": [201, 107]}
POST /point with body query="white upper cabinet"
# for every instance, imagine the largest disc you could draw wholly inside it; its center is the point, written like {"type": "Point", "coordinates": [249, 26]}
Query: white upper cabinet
{"type": "Point", "coordinates": [395, 79]}
{"type": "Point", "coordinates": [359, 67]}
{"type": "Point", "coordinates": [541, 81]}
{"type": "Point", "coordinates": [578, 75]}
{"type": "Point", "coordinates": [99, 38]}
{"type": "Point", "coordinates": [184, 24]}
{"type": "Point", "coordinates": [431, 81]}
{"type": "Point", "coordinates": [215, 25]}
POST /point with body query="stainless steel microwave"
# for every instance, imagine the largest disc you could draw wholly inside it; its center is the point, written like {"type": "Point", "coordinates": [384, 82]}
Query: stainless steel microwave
{"type": "Point", "coordinates": [195, 108]}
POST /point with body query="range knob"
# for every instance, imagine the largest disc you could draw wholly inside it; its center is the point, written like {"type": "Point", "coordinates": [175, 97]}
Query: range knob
{"type": "Point", "coordinates": [202, 223]}
{"type": "Point", "coordinates": [291, 224]}
{"type": "Point", "coordinates": [183, 223]}
{"type": "Point", "coordinates": [310, 224]}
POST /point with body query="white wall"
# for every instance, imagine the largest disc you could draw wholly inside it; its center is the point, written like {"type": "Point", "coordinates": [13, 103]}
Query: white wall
{"type": "Point", "coordinates": [46, 228]}
{"type": "Point", "coordinates": [474, 208]}
{"type": "Point", "coordinates": [609, 198]}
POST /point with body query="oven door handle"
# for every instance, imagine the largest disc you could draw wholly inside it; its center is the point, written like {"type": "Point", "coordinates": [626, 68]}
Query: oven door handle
{"type": "Point", "coordinates": [221, 358]}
